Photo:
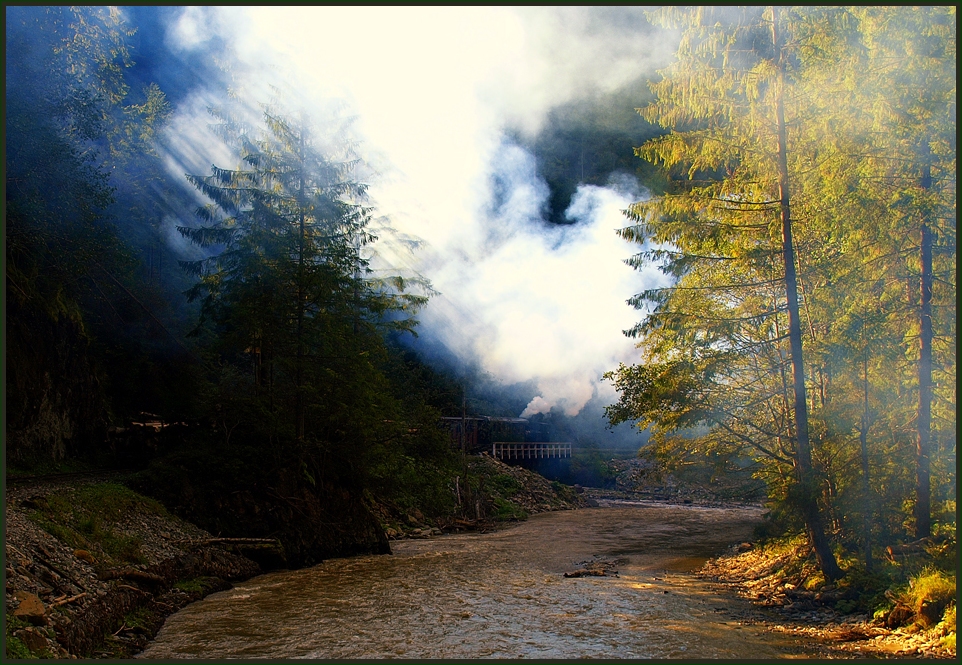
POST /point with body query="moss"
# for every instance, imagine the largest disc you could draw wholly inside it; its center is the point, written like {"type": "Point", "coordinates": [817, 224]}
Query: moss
{"type": "Point", "coordinates": [191, 586]}
{"type": "Point", "coordinates": [15, 648]}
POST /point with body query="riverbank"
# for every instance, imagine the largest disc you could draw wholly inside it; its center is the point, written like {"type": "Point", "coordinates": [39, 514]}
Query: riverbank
{"type": "Point", "coordinates": [93, 569]}
{"type": "Point", "coordinates": [777, 583]}
{"type": "Point", "coordinates": [490, 495]}
{"type": "Point", "coordinates": [103, 586]}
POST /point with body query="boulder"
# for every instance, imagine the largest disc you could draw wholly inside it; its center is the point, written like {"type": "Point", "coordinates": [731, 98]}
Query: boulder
{"type": "Point", "coordinates": [84, 555]}
{"type": "Point", "coordinates": [899, 616]}
{"type": "Point", "coordinates": [31, 608]}
{"type": "Point", "coordinates": [33, 639]}
{"type": "Point", "coordinates": [930, 611]}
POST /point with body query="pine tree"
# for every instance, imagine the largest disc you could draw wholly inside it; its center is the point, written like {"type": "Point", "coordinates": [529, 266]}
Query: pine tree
{"type": "Point", "coordinates": [286, 284]}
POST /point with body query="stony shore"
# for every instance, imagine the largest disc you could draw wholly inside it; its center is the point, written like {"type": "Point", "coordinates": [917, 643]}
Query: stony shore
{"type": "Point", "coordinates": [63, 602]}
{"type": "Point", "coordinates": [778, 604]}
{"type": "Point", "coordinates": [68, 603]}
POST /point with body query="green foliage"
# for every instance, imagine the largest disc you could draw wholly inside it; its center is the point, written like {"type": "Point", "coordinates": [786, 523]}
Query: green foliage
{"type": "Point", "coordinates": [14, 646]}
{"type": "Point", "coordinates": [504, 484]}
{"type": "Point", "coordinates": [950, 626]}
{"type": "Point", "coordinates": [930, 586]}
{"type": "Point", "coordinates": [504, 510]}
{"type": "Point", "coordinates": [868, 96]}
{"type": "Point", "coordinates": [590, 468]}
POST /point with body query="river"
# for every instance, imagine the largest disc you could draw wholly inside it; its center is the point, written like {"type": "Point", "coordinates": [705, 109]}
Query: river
{"type": "Point", "coordinates": [497, 595]}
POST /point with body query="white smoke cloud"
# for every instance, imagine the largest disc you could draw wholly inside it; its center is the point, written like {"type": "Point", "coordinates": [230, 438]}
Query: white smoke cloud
{"type": "Point", "coordinates": [432, 90]}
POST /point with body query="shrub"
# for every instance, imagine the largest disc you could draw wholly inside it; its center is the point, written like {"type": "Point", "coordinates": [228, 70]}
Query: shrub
{"type": "Point", "coordinates": [929, 594]}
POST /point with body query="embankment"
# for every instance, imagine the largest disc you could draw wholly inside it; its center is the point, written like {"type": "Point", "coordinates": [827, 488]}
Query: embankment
{"type": "Point", "coordinates": [120, 565]}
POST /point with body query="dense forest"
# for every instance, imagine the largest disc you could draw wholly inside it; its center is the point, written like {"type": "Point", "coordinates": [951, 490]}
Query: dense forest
{"type": "Point", "coordinates": [809, 225]}
{"type": "Point", "coordinates": [269, 357]}
{"type": "Point", "coordinates": [802, 165]}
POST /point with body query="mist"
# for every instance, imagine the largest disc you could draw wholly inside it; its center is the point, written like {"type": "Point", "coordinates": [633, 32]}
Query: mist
{"type": "Point", "coordinates": [446, 104]}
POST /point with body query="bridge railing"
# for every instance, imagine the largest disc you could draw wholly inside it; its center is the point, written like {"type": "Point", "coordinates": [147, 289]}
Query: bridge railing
{"type": "Point", "coordinates": [507, 450]}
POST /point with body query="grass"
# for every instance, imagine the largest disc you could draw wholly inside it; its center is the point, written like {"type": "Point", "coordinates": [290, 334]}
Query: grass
{"type": "Point", "coordinates": [505, 510]}
{"type": "Point", "coordinates": [47, 467]}
{"type": "Point", "coordinates": [87, 518]}
{"type": "Point", "coordinates": [195, 585]}
{"type": "Point", "coordinates": [924, 582]}
{"type": "Point", "coordinates": [504, 485]}
{"type": "Point", "coordinates": [15, 648]}
{"type": "Point", "coordinates": [929, 594]}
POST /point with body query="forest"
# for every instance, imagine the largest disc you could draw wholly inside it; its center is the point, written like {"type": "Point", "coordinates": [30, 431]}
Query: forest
{"type": "Point", "coordinates": [802, 170]}
{"type": "Point", "coordinates": [270, 354]}
{"type": "Point", "coordinates": [809, 226]}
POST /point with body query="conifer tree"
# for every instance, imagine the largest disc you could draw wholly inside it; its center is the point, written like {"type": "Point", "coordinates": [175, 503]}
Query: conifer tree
{"type": "Point", "coordinates": [285, 284]}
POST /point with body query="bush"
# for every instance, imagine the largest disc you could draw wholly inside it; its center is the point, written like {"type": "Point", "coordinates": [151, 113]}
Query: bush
{"type": "Point", "coordinates": [929, 594]}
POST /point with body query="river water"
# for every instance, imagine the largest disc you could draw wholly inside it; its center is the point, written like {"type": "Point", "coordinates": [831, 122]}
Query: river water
{"type": "Point", "coordinates": [496, 595]}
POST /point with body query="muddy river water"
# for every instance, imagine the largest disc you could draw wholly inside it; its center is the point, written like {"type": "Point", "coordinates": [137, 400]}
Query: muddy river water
{"type": "Point", "coordinates": [496, 595]}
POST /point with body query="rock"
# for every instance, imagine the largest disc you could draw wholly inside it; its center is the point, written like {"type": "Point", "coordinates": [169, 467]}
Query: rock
{"type": "Point", "coordinates": [899, 616]}
{"type": "Point", "coordinates": [84, 555]}
{"type": "Point", "coordinates": [585, 572]}
{"type": "Point", "coordinates": [30, 609]}
{"type": "Point", "coordinates": [33, 639]}
{"type": "Point", "coordinates": [744, 547]}
{"type": "Point", "coordinates": [931, 611]}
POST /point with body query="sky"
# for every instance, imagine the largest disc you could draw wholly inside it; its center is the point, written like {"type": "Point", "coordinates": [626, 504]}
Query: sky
{"type": "Point", "coordinates": [439, 97]}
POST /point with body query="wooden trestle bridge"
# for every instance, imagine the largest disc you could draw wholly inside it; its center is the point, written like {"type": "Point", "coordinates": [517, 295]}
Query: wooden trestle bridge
{"type": "Point", "coordinates": [509, 450]}
{"type": "Point", "coordinates": [506, 439]}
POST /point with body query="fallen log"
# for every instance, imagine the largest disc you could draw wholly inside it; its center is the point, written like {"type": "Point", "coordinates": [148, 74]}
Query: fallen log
{"type": "Point", "coordinates": [892, 552]}
{"type": "Point", "coordinates": [66, 601]}
{"type": "Point", "coordinates": [270, 542]}
{"type": "Point", "coordinates": [133, 575]}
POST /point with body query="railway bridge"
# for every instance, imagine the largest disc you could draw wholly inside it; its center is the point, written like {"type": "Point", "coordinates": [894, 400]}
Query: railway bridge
{"type": "Point", "coordinates": [512, 450]}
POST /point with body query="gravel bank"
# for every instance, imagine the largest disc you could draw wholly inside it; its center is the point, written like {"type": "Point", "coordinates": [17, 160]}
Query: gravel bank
{"type": "Point", "coordinates": [781, 607]}
{"type": "Point", "coordinates": [63, 602]}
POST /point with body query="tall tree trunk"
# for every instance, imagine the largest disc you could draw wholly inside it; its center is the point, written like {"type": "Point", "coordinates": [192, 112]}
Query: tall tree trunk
{"type": "Point", "coordinates": [923, 490]}
{"type": "Point", "coordinates": [807, 494]}
{"type": "Point", "coordinates": [866, 485]}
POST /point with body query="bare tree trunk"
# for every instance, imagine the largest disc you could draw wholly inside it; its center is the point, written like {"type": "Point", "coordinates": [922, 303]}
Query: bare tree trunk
{"type": "Point", "coordinates": [866, 485]}
{"type": "Point", "coordinates": [807, 494]}
{"type": "Point", "coordinates": [923, 491]}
